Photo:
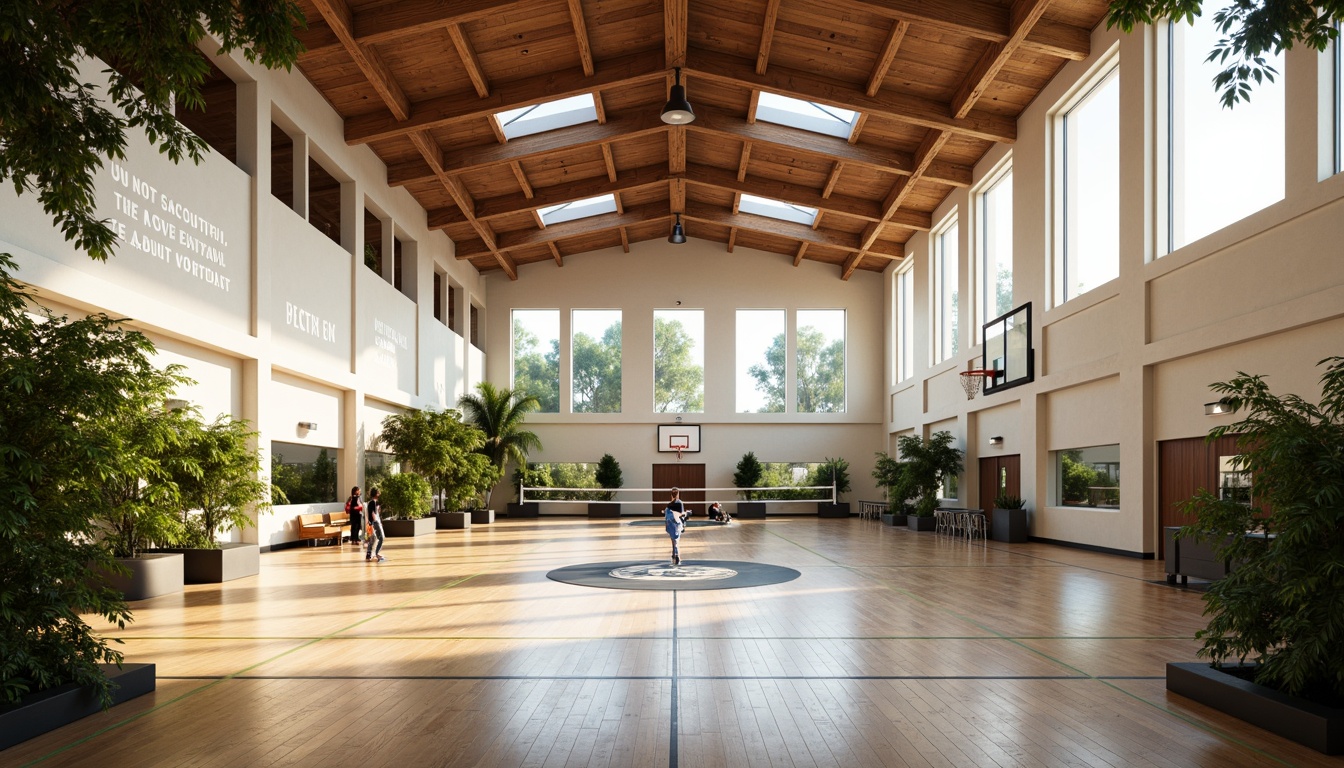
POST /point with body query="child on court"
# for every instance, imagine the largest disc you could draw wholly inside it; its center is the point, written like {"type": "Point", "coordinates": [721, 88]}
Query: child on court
{"type": "Point", "coordinates": [675, 522]}
{"type": "Point", "coordinates": [374, 510]}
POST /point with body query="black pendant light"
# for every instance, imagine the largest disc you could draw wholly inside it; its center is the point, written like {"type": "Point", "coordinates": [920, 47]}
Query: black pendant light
{"type": "Point", "coordinates": [678, 233]}
{"type": "Point", "coordinates": [678, 110]}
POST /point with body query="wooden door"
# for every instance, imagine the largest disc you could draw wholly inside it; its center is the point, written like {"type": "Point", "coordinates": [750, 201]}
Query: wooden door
{"type": "Point", "coordinates": [999, 475]}
{"type": "Point", "coordinates": [1185, 466]}
{"type": "Point", "coordinates": [683, 476]}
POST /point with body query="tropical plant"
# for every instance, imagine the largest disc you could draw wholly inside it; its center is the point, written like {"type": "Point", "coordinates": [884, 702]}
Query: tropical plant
{"type": "Point", "coordinates": [890, 474]}
{"type": "Point", "coordinates": [223, 483]}
{"type": "Point", "coordinates": [1006, 501]}
{"type": "Point", "coordinates": [833, 472]}
{"type": "Point", "coordinates": [609, 475]}
{"type": "Point", "coordinates": [405, 495]}
{"type": "Point", "coordinates": [57, 129]}
{"type": "Point", "coordinates": [748, 474]}
{"type": "Point", "coordinates": [500, 413]}
{"type": "Point", "coordinates": [58, 376]}
{"type": "Point", "coordinates": [1282, 605]}
{"type": "Point", "coordinates": [927, 464]}
{"type": "Point", "coordinates": [1252, 30]}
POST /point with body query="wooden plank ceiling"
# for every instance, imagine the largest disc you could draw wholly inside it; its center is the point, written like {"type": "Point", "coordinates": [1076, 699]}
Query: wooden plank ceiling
{"type": "Point", "coordinates": [935, 82]}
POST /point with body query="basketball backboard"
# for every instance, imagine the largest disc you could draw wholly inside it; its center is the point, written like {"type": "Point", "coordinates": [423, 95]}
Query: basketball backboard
{"type": "Point", "coordinates": [678, 438]}
{"type": "Point", "coordinates": [1007, 350]}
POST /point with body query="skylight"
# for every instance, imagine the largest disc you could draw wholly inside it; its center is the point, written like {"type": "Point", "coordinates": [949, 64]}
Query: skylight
{"type": "Point", "coordinates": [807, 115]}
{"type": "Point", "coordinates": [764, 206]}
{"type": "Point", "coordinates": [536, 118]}
{"type": "Point", "coordinates": [579, 209]}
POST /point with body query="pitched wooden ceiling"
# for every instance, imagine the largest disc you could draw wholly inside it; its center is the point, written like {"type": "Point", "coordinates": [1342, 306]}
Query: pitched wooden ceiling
{"type": "Point", "coordinates": [935, 82]}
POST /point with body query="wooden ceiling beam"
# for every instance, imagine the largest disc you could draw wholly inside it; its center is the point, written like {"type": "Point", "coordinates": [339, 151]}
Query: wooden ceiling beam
{"type": "Point", "coordinates": [603, 223]}
{"type": "Point", "coordinates": [893, 43]}
{"type": "Point", "coordinates": [800, 253]}
{"type": "Point", "coordinates": [742, 163]}
{"type": "Point", "coordinates": [621, 72]}
{"type": "Point", "coordinates": [981, 20]}
{"type": "Point", "coordinates": [767, 35]}
{"type": "Point", "coordinates": [609, 161]}
{"type": "Point", "coordinates": [906, 108]}
{"type": "Point", "coordinates": [676, 197]}
{"type": "Point", "coordinates": [581, 36]}
{"type": "Point", "coordinates": [338, 17]}
{"type": "Point", "coordinates": [625, 240]}
{"type": "Point", "coordinates": [427, 147]}
{"type": "Point", "coordinates": [1024, 14]}
{"type": "Point", "coordinates": [523, 183]}
{"type": "Point", "coordinates": [732, 238]}
{"type": "Point", "coordinates": [469, 61]}
{"type": "Point", "coordinates": [675, 15]}
{"type": "Point", "coordinates": [555, 254]}
{"type": "Point", "coordinates": [713, 214]}
{"type": "Point", "coordinates": [676, 149]}
{"type": "Point", "coordinates": [627, 181]}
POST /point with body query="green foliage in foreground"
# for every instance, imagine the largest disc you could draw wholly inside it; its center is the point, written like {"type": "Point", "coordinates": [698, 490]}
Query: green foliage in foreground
{"type": "Point", "coordinates": [927, 463]}
{"type": "Point", "coordinates": [222, 482]}
{"type": "Point", "coordinates": [1282, 606]}
{"type": "Point", "coordinates": [748, 474]}
{"type": "Point", "coordinates": [405, 495]}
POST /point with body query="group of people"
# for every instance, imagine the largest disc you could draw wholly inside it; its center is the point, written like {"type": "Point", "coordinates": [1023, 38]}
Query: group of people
{"type": "Point", "coordinates": [675, 516]}
{"type": "Point", "coordinates": [372, 530]}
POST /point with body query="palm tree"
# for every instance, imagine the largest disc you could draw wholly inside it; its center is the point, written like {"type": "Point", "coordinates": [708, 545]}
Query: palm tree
{"type": "Point", "coordinates": [499, 412]}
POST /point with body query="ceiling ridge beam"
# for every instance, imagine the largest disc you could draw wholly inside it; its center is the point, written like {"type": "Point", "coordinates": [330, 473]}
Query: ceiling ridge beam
{"type": "Point", "coordinates": [767, 35]}
{"type": "Point", "coordinates": [675, 23]}
{"type": "Point", "coordinates": [1024, 15]}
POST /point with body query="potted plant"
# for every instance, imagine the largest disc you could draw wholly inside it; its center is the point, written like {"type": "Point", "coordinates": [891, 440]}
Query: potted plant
{"type": "Point", "coordinates": [609, 477]}
{"type": "Point", "coordinates": [406, 498]}
{"type": "Point", "coordinates": [499, 413]}
{"type": "Point", "coordinates": [441, 448]}
{"type": "Point", "coordinates": [1273, 639]}
{"type": "Point", "coordinates": [889, 474]}
{"type": "Point", "coordinates": [532, 476]}
{"type": "Point", "coordinates": [214, 497]}
{"type": "Point", "coordinates": [748, 476]}
{"type": "Point", "coordinates": [833, 472]}
{"type": "Point", "coordinates": [1009, 522]}
{"type": "Point", "coordinates": [927, 464]}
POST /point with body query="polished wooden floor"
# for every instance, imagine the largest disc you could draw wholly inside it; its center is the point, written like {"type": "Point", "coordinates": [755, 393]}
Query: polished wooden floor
{"type": "Point", "coordinates": [892, 649]}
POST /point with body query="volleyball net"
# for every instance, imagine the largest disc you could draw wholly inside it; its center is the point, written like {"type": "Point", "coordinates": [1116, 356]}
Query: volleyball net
{"type": "Point", "coordinates": [693, 498]}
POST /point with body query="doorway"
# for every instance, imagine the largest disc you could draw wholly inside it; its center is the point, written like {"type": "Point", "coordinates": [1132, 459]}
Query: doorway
{"type": "Point", "coordinates": [999, 475]}
{"type": "Point", "coordinates": [683, 476]}
{"type": "Point", "coordinates": [1183, 467]}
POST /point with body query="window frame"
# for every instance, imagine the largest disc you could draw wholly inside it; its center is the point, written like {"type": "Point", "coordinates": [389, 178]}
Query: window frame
{"type": "Point", "coordinates": [937, 281]}
{"type": "Point", "coordinates": [905, 322]}
{"type": "Point", "coordinates": [984, 287]}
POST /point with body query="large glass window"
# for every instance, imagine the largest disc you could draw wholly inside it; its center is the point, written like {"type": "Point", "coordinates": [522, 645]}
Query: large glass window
{"type": "Point", "coordinates": [1207, 188]}
{"type": "Point", "coordinates": [536, 354]}
{"type": "Point", "coordinates": [820, 361]}
{"type": "Point", "coordinates": [905, 300]}
{"type": "Point", "coordinates": [1337, 52]}
{"type": "Point", "coordinates": [595, 349]}
{"type": "Point", "coordinates": [760, 360]}
{"type": "Point", "coordinates": [303, 474]}
{"type": "Point", "coordinates": [1089, 206]}
{"type": "Point", "coordinates": [995, 247]}
{"type": "Point", "coordinates": [679, 361]}
{"type": "Point", "coordinates": [1088, 477]}
{"type": "Point", "coordinates": [945, 256]}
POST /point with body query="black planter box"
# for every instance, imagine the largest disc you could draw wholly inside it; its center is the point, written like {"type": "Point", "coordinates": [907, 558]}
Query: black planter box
{"type": "Point", "coordinates": [151, 575]}
{"type": "Point", "coordinates": [481, 516]}
{"type": "Point", "coordinates": [827, 509]}
{"type": "Point", "coordinates": [917, 523]}
{"type": "Point", "coordinates": [403, 528]}
{"type": "Point", "coordinates": [45, 711]}
{"type": "Point", "coordinates": [750, 510]}
{"type": "Point", "coordinates": [530, 509]}
{"type": "Point", "coordinates": [1009, 525]}
{"type": "Point", "coordinates": [451, 521]}
{"type": "Point", "coordinates": [604, 510]}
{"type": "Point", "coordinates": [215, 566]}
{"type": "Point", "coordinates": [892, 519]}
{"type": "Point", "coordinates": [1299, 720]}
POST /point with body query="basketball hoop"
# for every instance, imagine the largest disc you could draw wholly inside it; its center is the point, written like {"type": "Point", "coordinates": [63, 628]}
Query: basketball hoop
{"type": "Point", "coordinates": [678, 453]}
{"type": "Point", "coordinates": [972, 379]}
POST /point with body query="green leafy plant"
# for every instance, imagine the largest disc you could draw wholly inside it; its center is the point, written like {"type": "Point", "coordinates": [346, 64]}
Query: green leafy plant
{"type": "Point", "coordinates": [500, 413]}
{"type": "Point", "coordinates": [223, 484]}
{"type": "Point", "coordinates": [833, 472]}
{"type": "Point", "coordinates": [928, 462]}
{"type": "Point", "coordinates": [609, 475]}
{"type": "Point", "coordinates": [748, 474]}
{"type": "Point", "coordinates": [439, 446]}
{"type": "Point", "coordinates": [1005, 501]}
{"type": "Point", "coordinates": [405, 495]}
{"type": "Point", "coordinates": [1282, 605]}
{"type": "Point", "coordinates": [533, 476]}
{"type": "Point", "coordinates": [891, 475]}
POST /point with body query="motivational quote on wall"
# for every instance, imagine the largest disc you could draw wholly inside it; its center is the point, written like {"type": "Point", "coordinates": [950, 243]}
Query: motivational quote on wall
{"type": "Point", "coordinates": [153, 223]}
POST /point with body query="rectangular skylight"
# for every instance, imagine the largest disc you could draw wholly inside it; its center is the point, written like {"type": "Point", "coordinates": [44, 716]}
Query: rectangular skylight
{"type": "Point", "coordinates": [548, 116]}
{"type": "Point", "coordinates": [579, 209]}
{"type": "Point", "coordinates": [807, 115]}
{"type": "Point", "coordinates": [764, 206]}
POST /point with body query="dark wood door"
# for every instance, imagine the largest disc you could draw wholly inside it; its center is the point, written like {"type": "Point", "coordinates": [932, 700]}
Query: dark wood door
{"type": "Point", "coordinates": [999, 474]}
{"type": "Point", "coordinates": [683, 476]}
{"type": "Point", "coordinates": [1185, 466]}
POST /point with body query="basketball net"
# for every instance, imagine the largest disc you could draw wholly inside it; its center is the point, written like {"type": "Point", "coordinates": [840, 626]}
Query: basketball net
{"type": "Point", "coordinates": [971, 381]}
{"type": "Point", "coordinates": [678, 453]}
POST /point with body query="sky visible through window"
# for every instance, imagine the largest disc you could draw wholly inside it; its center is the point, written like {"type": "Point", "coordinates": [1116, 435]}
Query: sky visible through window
{"type": "Point", "coordinates": [1092, 189]}
{"type": "Point", "coordinates": [536, 118]}
{"type": "Point", "coordinates": [756, 331]}
{"type": "Point", "coordinates": [577, 209]}
{"type": "Point", "coordinates": [776, 209]}
{"type": "Point", "coordinates": [807, 115]}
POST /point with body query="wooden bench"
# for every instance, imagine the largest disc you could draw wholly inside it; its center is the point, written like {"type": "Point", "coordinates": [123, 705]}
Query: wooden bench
{"type": "Point", "coordinates": [315, 527]}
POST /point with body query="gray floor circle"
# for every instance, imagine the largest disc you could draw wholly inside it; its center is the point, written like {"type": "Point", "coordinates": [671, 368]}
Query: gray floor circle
{"type": "Point", "coordinates": [662, 575]}
{"type": "Point", "coordinates": [660, 522]}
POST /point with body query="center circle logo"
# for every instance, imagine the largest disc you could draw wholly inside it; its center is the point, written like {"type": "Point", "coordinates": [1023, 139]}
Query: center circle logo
{"type": "Point", "coordinates": [662, 572]}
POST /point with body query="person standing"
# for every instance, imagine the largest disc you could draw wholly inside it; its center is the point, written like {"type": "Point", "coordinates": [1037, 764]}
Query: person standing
{"type": "Point", "coordinates": [354, 507]}
{"type": "Point", "coordinates": [675, 522]}
{"type": "Point", "coordinates": [375, 527]}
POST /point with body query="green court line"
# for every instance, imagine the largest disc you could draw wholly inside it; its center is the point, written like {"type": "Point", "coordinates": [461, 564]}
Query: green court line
{"type": "Point", "coordinates": [919, 598]}
{"type": "Point", "coordinates": [251, 667]}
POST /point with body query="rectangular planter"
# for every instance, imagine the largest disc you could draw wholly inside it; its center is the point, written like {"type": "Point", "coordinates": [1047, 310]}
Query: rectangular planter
{"type": "Point", "coordinates": [48, 710]}
{"type": "Point", "coordinates": [604, 510]}
{"type": "Point", "coordinates": [451, 521]}
{"type": "Point", "coordinates": [891, 519]}
{"type": "Point", "coordinates": [405, 528]}
{"type": "Point", "coordinates": [151, 575]}
{"type": "Point", "coordinates": [750, 510]}
{"type": "Point", "coordinates": [214, 566]}
{"type": "Point", "coordinates": [827, 509]}
{"type": "Point", "coordinates": [530, 509]}
{"type": "Point", "coordinates": [482, 516]}
{"type": "Point", "coordinates": [1009, 525]}
{"type": "Point", "coordinates": [917, 523]}
{"type": "Point", "coordinates": [1305, 722]}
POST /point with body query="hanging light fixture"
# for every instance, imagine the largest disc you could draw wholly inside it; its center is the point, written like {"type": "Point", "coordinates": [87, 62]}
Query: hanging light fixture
{"type": "Point", "coordinates": [678, 233]}
{"type": "Point", "coordinates": [678, 110]}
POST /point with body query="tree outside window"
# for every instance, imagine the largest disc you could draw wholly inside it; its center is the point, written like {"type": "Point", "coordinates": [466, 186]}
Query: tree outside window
{"type": "Point", "coordinates": [536, 356]}
{"type": "Point", "coordinates": [595, 350]}
{"type": "Point", "coordinates": [678, 361]}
